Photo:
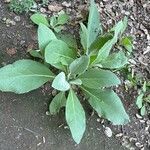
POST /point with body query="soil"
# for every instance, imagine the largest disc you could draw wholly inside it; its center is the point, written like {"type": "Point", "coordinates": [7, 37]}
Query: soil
{"type": "Point", "coordinates": [24, 124]}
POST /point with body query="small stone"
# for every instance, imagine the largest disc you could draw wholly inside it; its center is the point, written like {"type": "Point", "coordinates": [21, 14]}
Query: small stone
{"type": "Point", "coordinates": [139, 145]}
{"type": "Point", "coordinates": [42, 10]}
{"type": "Point", "coordinates": [11, 51]}
{"type": "Point", "coordinates": [142, 121]}
{"type": "Point", "coordinates": [17, 18]}
{"type": "Point", "coordinates": [47, 113]}
{"type": "Point", "coordinates": [66, 127]}
{"type": "Point", "coordinates": [132, 139]}
{"type": "Point", "coordinates": [54, 92]}
{"type": "Point", "coordinates": [55, 8]}
{"type": "Point", "coordinates": [108, 132]}
{"type": "Point", "coordinates": [66, 4]}
{"type": "Point", "coordinates": [7, 1]}
{"type": "Point", "coordinates": [119, 135]}
{"type": "Point", "coordinates": [138, 116]}
{"type": "Point", "coordinates": [98, 120]}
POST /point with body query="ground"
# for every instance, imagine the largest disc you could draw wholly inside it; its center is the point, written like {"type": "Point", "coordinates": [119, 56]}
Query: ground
{"type": "Point", "coordinates": [24, 124]}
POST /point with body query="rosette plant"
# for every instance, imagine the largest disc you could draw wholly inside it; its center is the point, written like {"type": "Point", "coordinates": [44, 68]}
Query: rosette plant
{"type": "Point", "coordinates": [89, 69]}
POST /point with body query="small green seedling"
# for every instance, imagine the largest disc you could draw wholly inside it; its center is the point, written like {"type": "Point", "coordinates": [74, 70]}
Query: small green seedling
{"type": "Point", "coordinates": [143, 98]}
{"type": "Point", "coordinates": [56, 22]}
{"type": "Point", "coordinates": [19, 6]}
{"type": "Point", "coordinates": [87, 69]}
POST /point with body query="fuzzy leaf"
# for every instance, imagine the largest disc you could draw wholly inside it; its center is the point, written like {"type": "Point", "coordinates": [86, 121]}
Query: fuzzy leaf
{"type": "Point", "coordinates": [79, 65]}
{"type": "Point", "coordinates": [60, 83]}
{"type": "Point", "coordinates": [143, 110]}
{"type": "Point", "coordinates": [39, 18]}
{"type": "Point", "coordinates": [45, 35]}
{"type": "Point", "coordinates": [83, 36]}
{"type": "Point", "coordinates": [69, 39]}
{"type": "Point", "coordinates": [35, 53]}
{"type": "Point", "coordinates": [75, 117]}
{"type": "Point", "coordinates": [127, 43]}
{"type": "Point", "coordinates": [57, 51]}
{"type": "Point", "coordinates": [58, 101]}
{"type": "Point", "coordinates": [100, 41]}
{"type": "Point", "coordinates": [24, 76]}
{"type": "Point", "coordinates": [105, 50]}
{"type": "Point", "coordinates": [94, 26]}
{"type": "Point", "coordinates": [108, 105]}
{"type": "Point", "coordinates": [62, 18]}
{"type": "Point", "coordinates": [98, 78]}
{"type": "Point", "coordinates": [115, 60]}
{"type": "Point", "coordinates": [139, 100]}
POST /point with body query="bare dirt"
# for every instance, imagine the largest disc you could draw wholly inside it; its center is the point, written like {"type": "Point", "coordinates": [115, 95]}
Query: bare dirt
{"type": "Point", "coordinates": [24, 124]}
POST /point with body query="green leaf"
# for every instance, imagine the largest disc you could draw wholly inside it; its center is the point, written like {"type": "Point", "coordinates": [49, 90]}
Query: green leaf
{"type": "Point", "coordinates": [144, 88]}
{"type": "Point", "coordinates": [56, 51]}
{"type": "Point", "coordinates": [39, 18]}
{"type": "Point", "coordinates": [35, 53]}
{"type": "Point", "coordinates": [53, 21]}
{"type": "Point", "coordinates": [108, 105]}
{"type": "Point", "coordinates": [76, 82]}
{"type": "Point", "coordinates": [115, 60]}
{"type": "Point", "coordinates": [79, 65]}
{"type": "Point", "coordinates": [143, 110]}
{"type": "Point", "coordinates": [105, 50]}
{"type": "Point", "coordinates": [94, 26]}
{"type": "Point", "coordinates": [58, 101]}
{"type": "Point", "coordinates": [75, 117]}
{"type": "Point", "coordinates": [24, 76]}
{"type": "Point", "coordinates": [69, 39]}
{"type": "Point", "coordinates": [100, 41]}
{"type": "Point", "coordinates": [83, 36]}
{"type": "Point", "coordinates": [62, 18]}
{"type": "Point", "coordinates": [58, 28]}
{"type": "Point", "coordinates": [139, 100]}
{"type": "Point", "coordinates": [60, 83]}
{"type": "Point", "coordinates": [127, 43]}
{"type": "Point", "coordinates": [98, 78]}
{"type": "Point", "coordinates": [45, 35]}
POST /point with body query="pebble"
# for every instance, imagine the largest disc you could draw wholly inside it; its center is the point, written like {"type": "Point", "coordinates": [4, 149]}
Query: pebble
{"type": "Point", "coordinates": [66, 4]}
{"type": "Point", "coordinates": [119, 135]}
{"type": "Point", "coordinates": [47, 113]}
{"type": "Point", "coordinates": [42, 10]}
{"type": "Point", "coordinates": [139, 145]}
{"type": "Point", "coordinates": [132, 139]}
{"type": "Point", "coordinates": [108, 132]}
{"type": "Point", "coordinates": [54, 92]}
{"type": "Point", "coordinates": [138, 116]}
{"type": "Point", "coordinates": [54, 8]}
{"type": "Point", "coordinates": [17, 18]}
{"type": "Point", "coordinates": [98, 120]}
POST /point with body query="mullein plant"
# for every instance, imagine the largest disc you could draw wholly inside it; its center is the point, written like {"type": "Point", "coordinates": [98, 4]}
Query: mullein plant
{"type": "Point", "coordinates": [89, 69]}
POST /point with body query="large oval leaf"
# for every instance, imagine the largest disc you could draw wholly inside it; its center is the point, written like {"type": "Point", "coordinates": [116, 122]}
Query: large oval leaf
{"type": "Point", "coordinates": [24, 76]}
{"type": "Point", "coordinates": [79, 65]}
{"type": "Point", "coordinates": [107, 104]}
{"type": "Point", "coordinates": [60, 83]}
{"type": "Point", "coordinates": [58, 101]}
{"type": "Point", "coordinates": [75, 117]}
{"type": "Point", "coordinates": [58, 51]}
{"type": "Point", "coordinates": [98, 78]}
{"type": "Point", "coordinates": [45, 35]}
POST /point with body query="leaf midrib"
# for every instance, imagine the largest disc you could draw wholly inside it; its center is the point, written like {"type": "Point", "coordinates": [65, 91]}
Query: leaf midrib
{"type": "Point", "coordinates": [35, 75]}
